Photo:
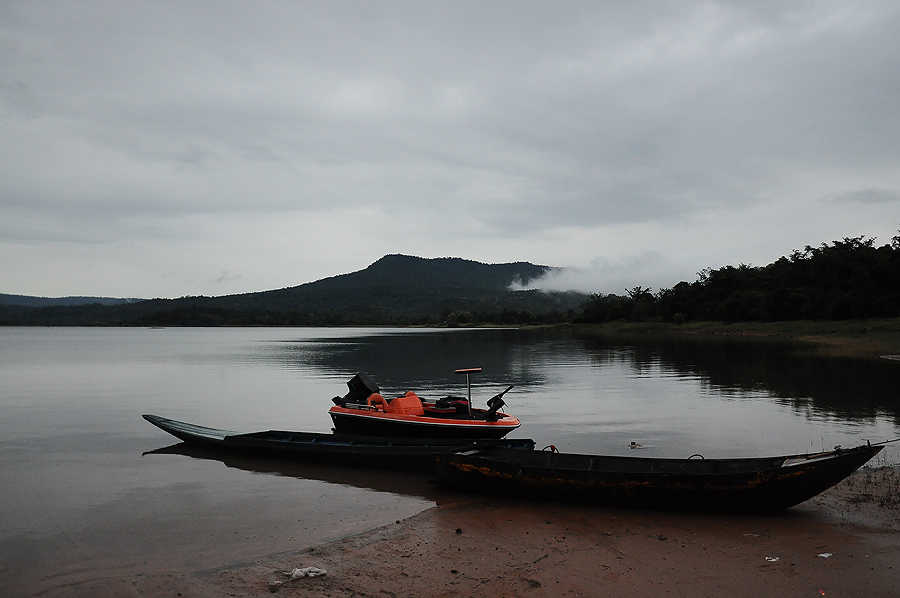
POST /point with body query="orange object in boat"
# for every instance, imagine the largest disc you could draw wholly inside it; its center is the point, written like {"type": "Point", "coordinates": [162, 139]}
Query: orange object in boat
{"type": "Point", "coordinates": [377, 401]}
{"type": "Point", "coordinates": [408, 404]}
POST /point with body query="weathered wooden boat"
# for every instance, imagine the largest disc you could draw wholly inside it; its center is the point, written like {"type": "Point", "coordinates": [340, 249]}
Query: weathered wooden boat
{"type": "Point", "coordinates": [754, 485]}
{"type": "Point", "coordinates": [365, 411]}
{"type": "Point", "coordinates": [344, 449]}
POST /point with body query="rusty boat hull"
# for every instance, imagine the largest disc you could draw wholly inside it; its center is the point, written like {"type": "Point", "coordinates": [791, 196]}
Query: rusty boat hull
{"type": "Point", "coordinates": [755, 485]}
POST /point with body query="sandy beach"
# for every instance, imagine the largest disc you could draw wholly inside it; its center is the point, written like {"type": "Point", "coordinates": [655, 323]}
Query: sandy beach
{"type": "Point", "coordinates": [846, 542]}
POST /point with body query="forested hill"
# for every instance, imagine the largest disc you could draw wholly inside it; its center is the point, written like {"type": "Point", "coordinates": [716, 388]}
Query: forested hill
{"type": "Point", "coordinates": [397, 289]}
{"type": "Point", "coordinates": [400, 283]}
{"type": "Point", "coordinates": [848, 279]}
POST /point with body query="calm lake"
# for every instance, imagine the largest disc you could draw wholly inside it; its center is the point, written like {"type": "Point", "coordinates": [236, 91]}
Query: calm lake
{"type": "Point", "coordinates": [90, 489]}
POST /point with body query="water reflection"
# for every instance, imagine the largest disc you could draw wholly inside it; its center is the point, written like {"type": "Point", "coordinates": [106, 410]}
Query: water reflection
{"type": "Point", "coordinates": [403, 360]}
{"type": "Point", "coordinates": [842, 388]}
{"type": "Point", "coordinates": [404, 483]}
{"type": "Point", "coordinates": [846, 389]}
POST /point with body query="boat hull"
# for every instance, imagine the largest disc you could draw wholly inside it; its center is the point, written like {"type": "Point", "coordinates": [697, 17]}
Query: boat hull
{"type": "Point", "coordinates": [378, 423]}
{"type": "Point", "coordinates": [765, 485]}
{"type": "Point", "coordinates": [341, 449]}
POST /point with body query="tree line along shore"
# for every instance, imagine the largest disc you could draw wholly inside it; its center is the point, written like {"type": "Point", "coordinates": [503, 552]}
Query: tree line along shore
{"type": "Point", "coordinates": [846, 288]}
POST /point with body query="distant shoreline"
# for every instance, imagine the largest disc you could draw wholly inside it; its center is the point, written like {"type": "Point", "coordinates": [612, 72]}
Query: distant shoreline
{"type": "Point", "coordinates": [867, 339]}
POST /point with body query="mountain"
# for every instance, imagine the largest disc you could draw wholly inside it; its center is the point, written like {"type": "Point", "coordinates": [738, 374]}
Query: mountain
{"type": "Point", "coordinates": [398, 283]}
{"type": "Point", "coordinates": [397, 289]}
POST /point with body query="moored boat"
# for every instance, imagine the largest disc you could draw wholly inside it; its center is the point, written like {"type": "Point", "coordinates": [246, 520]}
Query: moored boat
{"type": "Point", "coordinates": [753, 485]}
{"type": "Point", "coordinates": [343, 449]}
{"type": "Point", "coordinates": [364, 410]}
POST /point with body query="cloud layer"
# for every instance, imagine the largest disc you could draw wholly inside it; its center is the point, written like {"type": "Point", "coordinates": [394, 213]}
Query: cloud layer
{"type": "Point", "coordinates": [164, 149]}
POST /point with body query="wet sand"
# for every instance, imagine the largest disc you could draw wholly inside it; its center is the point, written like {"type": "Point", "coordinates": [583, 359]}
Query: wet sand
{"type": "Point", "coordinates": [846, 542]}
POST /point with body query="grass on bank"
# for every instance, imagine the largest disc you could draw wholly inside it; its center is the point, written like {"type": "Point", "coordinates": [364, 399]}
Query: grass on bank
{"type": "Point", "coordinates": [847, 338]}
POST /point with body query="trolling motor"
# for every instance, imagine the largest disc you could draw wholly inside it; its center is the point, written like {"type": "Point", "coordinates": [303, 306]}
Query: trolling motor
{"type": "Point", "coordinates": [494, 404]}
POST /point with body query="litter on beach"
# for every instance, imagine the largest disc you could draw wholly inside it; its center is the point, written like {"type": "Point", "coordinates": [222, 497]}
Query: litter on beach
{"type": "Point", "coordinates": [305, 572]}
{"type": "Point", "coordinates": [296, 573]}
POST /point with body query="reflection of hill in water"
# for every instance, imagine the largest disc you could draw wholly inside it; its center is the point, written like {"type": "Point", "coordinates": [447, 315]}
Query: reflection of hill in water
{"type": "Point", "coordinates": [849, 389]}
{"type": "Point", "coordinates": [401, 361]}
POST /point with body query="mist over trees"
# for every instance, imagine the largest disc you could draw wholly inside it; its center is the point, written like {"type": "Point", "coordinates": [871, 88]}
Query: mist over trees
{"type": "Point", "coordinates": [847, 279]}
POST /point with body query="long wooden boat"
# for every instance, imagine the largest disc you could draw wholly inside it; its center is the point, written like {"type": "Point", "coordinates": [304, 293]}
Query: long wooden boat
{"type": "Point", "coordinates": [343, 449]}
{"type": "Point", "coordinates": [755, 485]}
{"type": "Point", "coordinates": [365, 411]}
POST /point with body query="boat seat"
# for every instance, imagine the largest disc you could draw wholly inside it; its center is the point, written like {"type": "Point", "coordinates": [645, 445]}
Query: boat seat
{"type": "Point", "coordinates": [408, 404]}
{"type": "Point", "coordinates": [377, 401]}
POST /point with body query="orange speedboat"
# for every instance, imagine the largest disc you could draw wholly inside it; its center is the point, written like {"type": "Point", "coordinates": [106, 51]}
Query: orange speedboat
{"type": "Point", "coordinates": [365, 411]}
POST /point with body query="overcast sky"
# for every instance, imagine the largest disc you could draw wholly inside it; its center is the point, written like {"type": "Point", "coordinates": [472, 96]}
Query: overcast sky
{"type": "Point", "coordinates": [162, 149]}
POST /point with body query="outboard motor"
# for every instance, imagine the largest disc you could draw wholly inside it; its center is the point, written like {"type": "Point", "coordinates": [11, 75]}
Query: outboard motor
{"type": "Point", "coordinates": [361, 386]}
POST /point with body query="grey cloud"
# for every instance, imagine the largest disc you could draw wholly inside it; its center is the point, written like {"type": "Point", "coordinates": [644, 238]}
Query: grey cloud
{"type": "Point", "coordinates": [869, 195]}
{"type": "Point", "coordinates": [524, 118]}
